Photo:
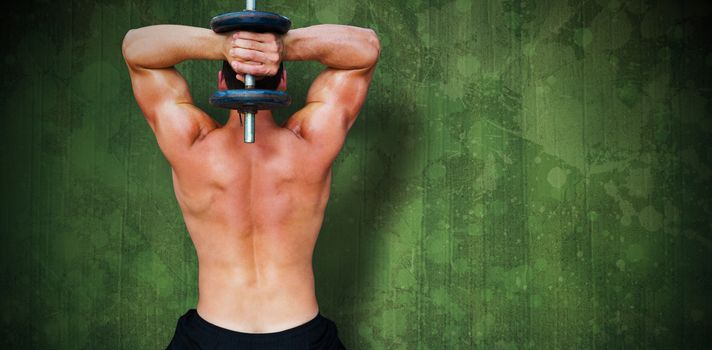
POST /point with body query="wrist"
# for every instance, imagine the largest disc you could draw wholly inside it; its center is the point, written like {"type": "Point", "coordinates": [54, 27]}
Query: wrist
{"type": "Point", "coordinates": [290, 41]}
{"type": "Point", "coordinates": [216, 45]}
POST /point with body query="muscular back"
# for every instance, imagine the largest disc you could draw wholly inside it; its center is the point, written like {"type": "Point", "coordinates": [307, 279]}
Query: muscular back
{"type": "Point", "coordinates": [253, 211]}
{"type": "Point", "coordinates": [261, 203]}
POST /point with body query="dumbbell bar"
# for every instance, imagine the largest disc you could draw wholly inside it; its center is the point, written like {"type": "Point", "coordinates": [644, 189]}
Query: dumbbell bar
{"type": "Point", "coordinates": [250, 100]}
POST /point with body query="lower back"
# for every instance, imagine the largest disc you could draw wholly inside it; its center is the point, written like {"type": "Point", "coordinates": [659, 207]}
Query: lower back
{"type": "Point", "coordinates": [261, 300]}
{"type": "Point", "coordinates": [255, 275]}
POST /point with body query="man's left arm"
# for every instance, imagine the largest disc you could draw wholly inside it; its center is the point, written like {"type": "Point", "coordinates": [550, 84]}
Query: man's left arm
{"type": "Point", "coordinates": [161, 92]}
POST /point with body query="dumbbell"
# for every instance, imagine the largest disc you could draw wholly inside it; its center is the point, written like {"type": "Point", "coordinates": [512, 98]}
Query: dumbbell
{"type": "Point", "coordinates": [250, 100]}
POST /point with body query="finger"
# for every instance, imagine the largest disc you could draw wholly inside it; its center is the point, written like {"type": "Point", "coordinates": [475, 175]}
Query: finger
{"type": "Point", "coordinates": [250, 44]}
{"type": "Point", "coordinates": [234, 65]}
{"type": "Point", "coordinates": [261, 37]}
{"type": "Point", "coordinates": [244, 61]}
{"type": "Point", "coordinates": [258, 70]}
{"type": "Point", "coordinates": [249, 55]}
{"type": "Point", "coordinates": [240, 77]}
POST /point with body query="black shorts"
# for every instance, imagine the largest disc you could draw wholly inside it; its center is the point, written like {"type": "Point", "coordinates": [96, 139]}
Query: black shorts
{"type": "Point", "coordinates": [193, 332]}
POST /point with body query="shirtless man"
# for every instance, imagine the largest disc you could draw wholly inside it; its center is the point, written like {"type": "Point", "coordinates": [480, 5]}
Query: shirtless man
{"type": "Point", "coordinates": [253, 211]}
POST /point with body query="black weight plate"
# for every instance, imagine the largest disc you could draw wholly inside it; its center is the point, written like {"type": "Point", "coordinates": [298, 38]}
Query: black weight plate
{"type": "Point", "coordinates": [252, 21]}
{"type": "Point", "coordinates": [252, 99]}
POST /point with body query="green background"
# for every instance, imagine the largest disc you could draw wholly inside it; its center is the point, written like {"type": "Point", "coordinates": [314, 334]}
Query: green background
{"type": "Point", "coordinates": [524, 174]}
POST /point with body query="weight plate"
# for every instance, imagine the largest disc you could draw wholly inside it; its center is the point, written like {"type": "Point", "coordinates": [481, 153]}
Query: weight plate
{"type": "Point", "coordinates": [252, 99]}
{"type": "Point", "coordinates": [252, 21]}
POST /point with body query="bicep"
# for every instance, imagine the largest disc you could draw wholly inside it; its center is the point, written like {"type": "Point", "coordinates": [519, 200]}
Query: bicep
{"type": "Point", "coordinates": [164, 98]}
{"type": "Point", "coordinates": [333, 103]}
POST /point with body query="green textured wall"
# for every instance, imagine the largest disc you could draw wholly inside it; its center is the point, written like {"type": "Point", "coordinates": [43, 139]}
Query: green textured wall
{"type": "Point", "coordinates": [524, 174]}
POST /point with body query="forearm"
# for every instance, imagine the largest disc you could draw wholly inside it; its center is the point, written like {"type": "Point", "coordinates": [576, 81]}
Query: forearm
{"type": "Point", "coordinates": [335, 46]}
{"type": "Point", "coordinates": [165, 45]}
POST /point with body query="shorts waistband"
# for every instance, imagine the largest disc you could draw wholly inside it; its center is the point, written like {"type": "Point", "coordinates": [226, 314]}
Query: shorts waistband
{"type": "Point", "coordinates": [317, 321]}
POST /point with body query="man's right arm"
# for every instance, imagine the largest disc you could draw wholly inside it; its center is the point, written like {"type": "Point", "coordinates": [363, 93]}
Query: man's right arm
{"type": "Point", "coordinates": [336, 96]}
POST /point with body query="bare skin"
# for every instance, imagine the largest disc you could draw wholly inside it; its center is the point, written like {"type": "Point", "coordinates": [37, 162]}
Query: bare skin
{"type": "Point", "coordinates": [253, 211]}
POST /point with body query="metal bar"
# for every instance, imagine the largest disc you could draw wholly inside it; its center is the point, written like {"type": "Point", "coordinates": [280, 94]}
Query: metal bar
{"type": "Point", "coordinates": [249, 127]}
{"type": "Point", "coordinates": [249, 84]}
{"type": "Point", "coordinates": [249, 81]}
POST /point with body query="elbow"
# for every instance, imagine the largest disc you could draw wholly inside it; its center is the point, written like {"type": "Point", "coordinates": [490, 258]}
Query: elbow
{"type": "Point", "coordinates": [128, 46]}
{"type": "Point", "coordinates": [373, 47]}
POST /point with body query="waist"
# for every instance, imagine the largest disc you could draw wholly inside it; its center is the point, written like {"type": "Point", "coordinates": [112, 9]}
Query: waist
{"type": "Point", "coordinates": [315, 326]}
{"type": "Point", "coordinates": [261, 303]}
